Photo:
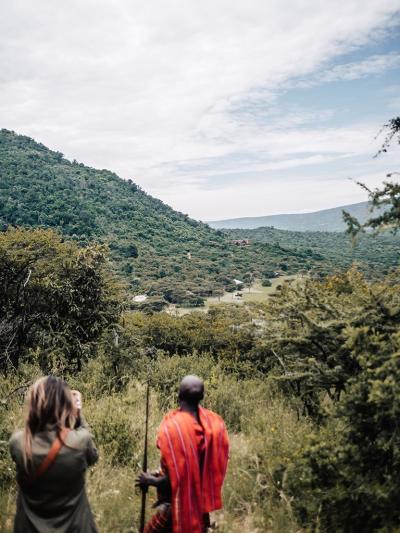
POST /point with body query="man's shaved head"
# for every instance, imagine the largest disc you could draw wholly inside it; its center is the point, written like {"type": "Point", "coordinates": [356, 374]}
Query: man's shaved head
{"type": "Point", "coordinates": [191, 390]}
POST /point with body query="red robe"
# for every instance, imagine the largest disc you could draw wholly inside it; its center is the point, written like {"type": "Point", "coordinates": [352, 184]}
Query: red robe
{"type": "Point", "coordinates": [196, 457]}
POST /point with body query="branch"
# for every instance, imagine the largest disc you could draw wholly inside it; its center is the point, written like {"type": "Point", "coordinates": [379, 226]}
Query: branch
{"type": "Point", "coordinates": [280, 360]}
{"type": "Point", "coordinates": [14, 391]}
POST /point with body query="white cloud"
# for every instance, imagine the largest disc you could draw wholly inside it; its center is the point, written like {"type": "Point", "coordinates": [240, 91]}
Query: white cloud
{"type": "Point", "coordinates": [262, 198]}
{"type": "Point", "coordinates": [139, 87]}
{"type": "Point", "coordinates": [373, 65]}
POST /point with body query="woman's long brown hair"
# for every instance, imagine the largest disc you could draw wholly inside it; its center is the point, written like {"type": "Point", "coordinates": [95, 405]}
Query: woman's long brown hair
{"type": "Point", "coordinates": [49, 407]}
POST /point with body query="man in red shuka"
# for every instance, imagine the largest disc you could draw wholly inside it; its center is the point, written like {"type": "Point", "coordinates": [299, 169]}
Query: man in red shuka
{"type": "Point", "coordinates": [194, 449]}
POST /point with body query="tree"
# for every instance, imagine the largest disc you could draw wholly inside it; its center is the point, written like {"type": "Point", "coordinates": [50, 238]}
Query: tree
{"type": "Point", "coordinates": [386, 198]}
{"type": "Point", "coordinates": [133, 251]}
{"type": "Point", "coordinates": [347, 477]}
{"type": "Point", "coordinates": [56, 299]}
{"type": "Point", "coordinates": [307, 334]}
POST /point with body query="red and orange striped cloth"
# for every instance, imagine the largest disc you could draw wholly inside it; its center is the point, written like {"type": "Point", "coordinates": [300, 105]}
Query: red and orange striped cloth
{"type": "Point", "coordinates": [196, 457]}
{"type": "Point", "coordinates": [161, 522]}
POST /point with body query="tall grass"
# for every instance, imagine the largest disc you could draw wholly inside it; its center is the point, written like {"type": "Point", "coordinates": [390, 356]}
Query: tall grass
{"type": "Point", "coordinates": [265, 434]}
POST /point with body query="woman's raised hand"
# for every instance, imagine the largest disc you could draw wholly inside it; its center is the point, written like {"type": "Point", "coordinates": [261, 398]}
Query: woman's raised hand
{"type": "Point", "coordinates": [77, 397]}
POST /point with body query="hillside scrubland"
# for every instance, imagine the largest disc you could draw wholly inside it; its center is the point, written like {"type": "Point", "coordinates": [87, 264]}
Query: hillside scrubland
{"type": "Point", "coordinates": [308, 384]}
{"type": "Point", "coordinates": [336, 251]}
{"type": "Point", "coordinates": [149, 242]}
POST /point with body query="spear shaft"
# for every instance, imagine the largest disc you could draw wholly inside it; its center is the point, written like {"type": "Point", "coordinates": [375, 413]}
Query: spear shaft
{"type": "Point", "coordinates": [144, 490]}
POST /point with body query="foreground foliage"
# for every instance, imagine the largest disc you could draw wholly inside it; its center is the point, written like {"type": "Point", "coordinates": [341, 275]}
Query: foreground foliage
{"type": "Point", "coordinates": [56, 299]}
{"type": "Point", "coordinates": [312, 328]}
{"type": "Point", "coordinates": [348, 478]}
{"type": "Point", "coordinates": [308, 385]}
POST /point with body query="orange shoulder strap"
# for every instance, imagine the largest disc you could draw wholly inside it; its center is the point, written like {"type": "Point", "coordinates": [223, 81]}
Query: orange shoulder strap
{"type": "Point", "coordinates": [51, 456]}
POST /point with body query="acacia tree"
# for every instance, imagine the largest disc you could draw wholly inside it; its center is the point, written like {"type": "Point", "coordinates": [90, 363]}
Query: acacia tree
{"type": "Point", "coordinates": [306, 338]}
{"type": "Point", "coordinates": [343, 334]}
{"type": "Point", "coordinates": [346, 479]}
{"type": "Point", "coordinates": [387, 199]}
{"type": "Point", "coordinates": [56, 299]}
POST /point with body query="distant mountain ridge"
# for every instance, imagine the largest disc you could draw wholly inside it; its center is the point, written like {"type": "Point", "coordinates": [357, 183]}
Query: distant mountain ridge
{"type": "Point", "coordinates": [323, 220]}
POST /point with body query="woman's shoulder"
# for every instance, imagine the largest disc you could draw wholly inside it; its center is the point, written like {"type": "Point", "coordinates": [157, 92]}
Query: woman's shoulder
{"type": "Point", "coordinates": [79, 438]}
{"type": "Point", "coordinates": [16, 438]}
{"type": "Point", "coordinates": [16, 444]}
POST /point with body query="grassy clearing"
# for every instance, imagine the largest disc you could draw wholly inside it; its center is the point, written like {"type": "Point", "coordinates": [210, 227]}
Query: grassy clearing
{"type": "Point", "coordinates": [264, 431]}
{"type": "Point", "coordinates": [256, 293]}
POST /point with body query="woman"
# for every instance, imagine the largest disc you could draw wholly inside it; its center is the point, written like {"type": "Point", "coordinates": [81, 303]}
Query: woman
{"type": "Point", "coordinates": [52, 454]}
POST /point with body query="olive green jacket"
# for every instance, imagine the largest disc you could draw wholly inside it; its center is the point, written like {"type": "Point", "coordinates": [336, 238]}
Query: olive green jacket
{"type": "Point", "coordinates": [56, 502]}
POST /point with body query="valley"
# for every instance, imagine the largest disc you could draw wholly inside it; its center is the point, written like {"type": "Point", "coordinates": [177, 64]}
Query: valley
{"type": "Point", "coordinates": [111, 289]}
{"type": "Point", "coordinates": [154, 250]}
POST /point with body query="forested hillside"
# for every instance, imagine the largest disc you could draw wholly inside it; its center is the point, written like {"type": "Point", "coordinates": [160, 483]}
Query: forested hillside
{"type": "Point", "coordinates": [157, 250]}
{"type": "Point", "coordinates": [374, 255]}
{"type": "Point", "coordinates": [149, 241]}
{"type": "Point", "coordinates": [306, 381]}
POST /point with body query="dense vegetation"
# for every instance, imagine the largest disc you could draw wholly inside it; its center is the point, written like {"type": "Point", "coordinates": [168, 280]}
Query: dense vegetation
{"type": "Point", "coordinates": [334, 251]}
{"type": "Point", "coordinates": [148, 241]}
{"type": "Point", "coordinates": [55, 299]}
{"type": "Point", "coordinates": [308, 384]}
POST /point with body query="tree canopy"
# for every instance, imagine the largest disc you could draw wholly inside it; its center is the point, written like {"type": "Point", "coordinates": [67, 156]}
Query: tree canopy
{"type": "Point", "coordinates": [56, 299]}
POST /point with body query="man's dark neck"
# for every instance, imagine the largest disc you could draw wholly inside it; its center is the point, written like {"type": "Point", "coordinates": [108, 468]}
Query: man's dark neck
{"type": "Point", "coordinates": [191, 408]}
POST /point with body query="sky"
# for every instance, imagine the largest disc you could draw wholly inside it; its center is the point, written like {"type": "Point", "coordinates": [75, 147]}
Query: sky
{"type": "Point", "coordinates": [221, 109]}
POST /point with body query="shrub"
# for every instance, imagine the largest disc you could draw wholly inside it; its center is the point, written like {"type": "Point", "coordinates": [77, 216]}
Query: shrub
{"type": "Point", "coordinates": [117, 428]}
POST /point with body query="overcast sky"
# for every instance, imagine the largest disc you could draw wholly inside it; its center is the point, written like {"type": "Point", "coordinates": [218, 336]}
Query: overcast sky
{"type": "Point", "coordinates": [220, 108]}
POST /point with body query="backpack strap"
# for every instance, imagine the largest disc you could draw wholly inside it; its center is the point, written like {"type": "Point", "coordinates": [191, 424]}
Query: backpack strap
{"type": "Point", "coordinates": [58, 443]}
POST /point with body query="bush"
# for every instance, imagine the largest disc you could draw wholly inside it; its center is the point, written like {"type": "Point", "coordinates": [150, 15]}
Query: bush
{"type": "Point", "coordinates": [55, 299]}
{"type": "Point", "coordinates": [117, 429]}
{"type": "Point", "coordinates": [347, 477]}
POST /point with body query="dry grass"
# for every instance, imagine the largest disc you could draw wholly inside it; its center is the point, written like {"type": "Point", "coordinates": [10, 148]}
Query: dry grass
{"type": "Point", "coordinates": [265, 433]}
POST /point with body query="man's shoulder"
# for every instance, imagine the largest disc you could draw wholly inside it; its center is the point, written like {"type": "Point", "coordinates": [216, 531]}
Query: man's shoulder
{"type": "Point", "coordinates": [170, 416]}
{"type": "Point", "coordinates": [211, 415]}
{"type": "Point", "coordinates": [176, 413]}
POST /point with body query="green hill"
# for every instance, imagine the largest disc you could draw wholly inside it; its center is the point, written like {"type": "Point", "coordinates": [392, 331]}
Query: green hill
{"type": "Point", "coordinates": [324, 220]}
{"type": "Point", "coordinates": [149, 241]}
{"type": "Point", "coordinates": [375, 255]}
{"type": "Point", "coordinates": [158, 251]}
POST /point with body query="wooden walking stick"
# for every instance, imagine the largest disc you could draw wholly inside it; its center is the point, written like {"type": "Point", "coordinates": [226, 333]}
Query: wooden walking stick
{"type": "Point", "coordinates": [144, 468]}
